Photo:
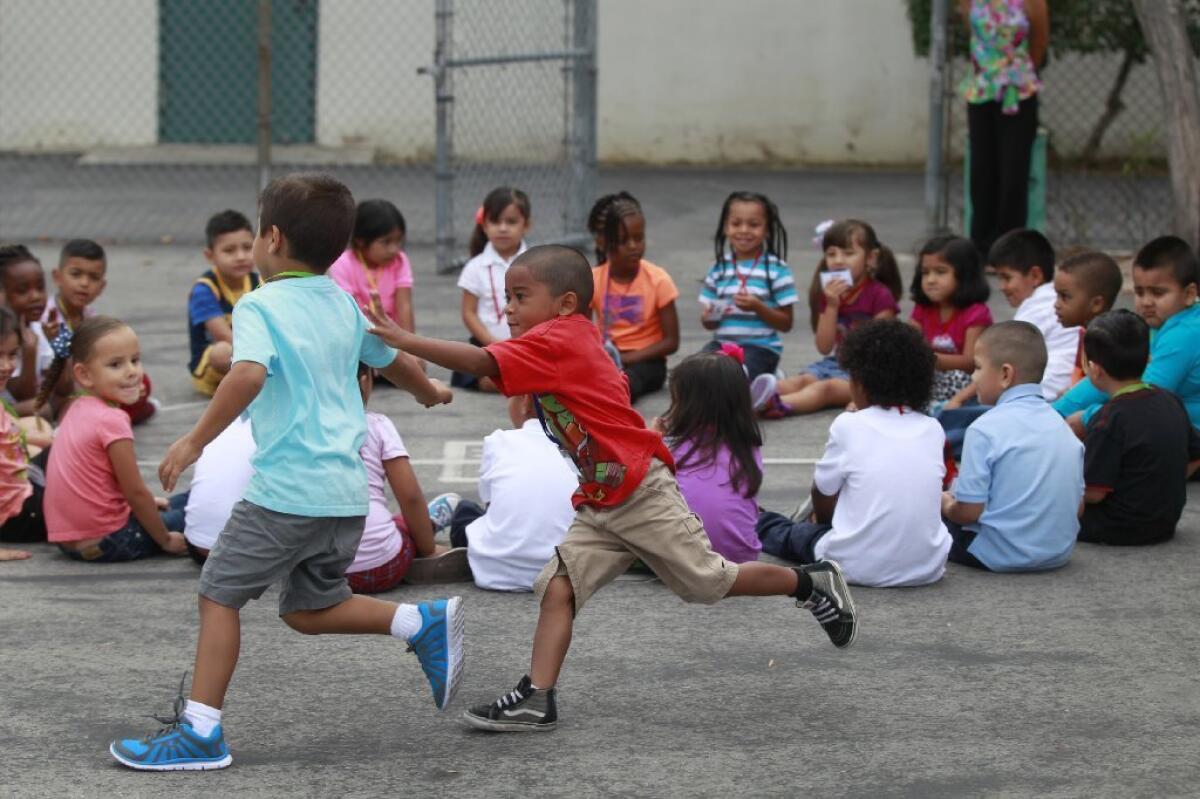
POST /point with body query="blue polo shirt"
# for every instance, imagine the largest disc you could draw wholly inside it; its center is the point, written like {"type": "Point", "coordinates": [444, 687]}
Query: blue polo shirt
{"type": "Point", "coordinates": [1026, 466]}
{"type": "Point", "coordinates": [1174, 366]}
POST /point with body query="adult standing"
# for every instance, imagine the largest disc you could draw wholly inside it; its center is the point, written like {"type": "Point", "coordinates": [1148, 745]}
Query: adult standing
{"type": "Point", "coordinates": [1008, 43]}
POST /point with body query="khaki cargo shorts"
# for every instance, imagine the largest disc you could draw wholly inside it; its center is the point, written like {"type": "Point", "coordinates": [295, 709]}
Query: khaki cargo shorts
{"type": "Point", "coordinates": [655, 525]}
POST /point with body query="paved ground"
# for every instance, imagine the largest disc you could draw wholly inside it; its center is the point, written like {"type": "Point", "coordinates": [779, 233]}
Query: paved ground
{"type": "Point", "coordinates": [1081, 682]}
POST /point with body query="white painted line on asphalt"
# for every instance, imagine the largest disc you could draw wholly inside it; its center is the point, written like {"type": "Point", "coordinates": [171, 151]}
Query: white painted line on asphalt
{"type": "Point", "coordinates": [183, 406]}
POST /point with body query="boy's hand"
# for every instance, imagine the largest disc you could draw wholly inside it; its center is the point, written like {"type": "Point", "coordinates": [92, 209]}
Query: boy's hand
{"type": "Point", "coordinates": [182, 454]}
{"type": "Point", "coordinates": [162, 503]}
{"type": "Point", "coordinates": [176, 544]}
{"type": "Point", "coordinates": [386, 329]}
{"type": "Point", "coordinates": [51, 327]}
{"type": "Point", "coordinates": [947, 502]}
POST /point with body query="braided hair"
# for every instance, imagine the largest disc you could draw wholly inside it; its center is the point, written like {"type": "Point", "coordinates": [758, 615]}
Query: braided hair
{"type": "Point", "coordinates": [598, 217]}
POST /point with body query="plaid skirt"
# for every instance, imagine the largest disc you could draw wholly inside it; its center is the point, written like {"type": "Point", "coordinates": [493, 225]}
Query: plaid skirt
{"type": "Point", "coordinates": [385, 576]}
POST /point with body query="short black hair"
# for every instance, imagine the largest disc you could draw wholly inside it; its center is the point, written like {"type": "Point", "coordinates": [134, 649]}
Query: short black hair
{"type": "Point", "coordinates": [561, 269]}
{"type": "Point", "coordinates": [1097, 273]}
{"type": "Point", "coordinates": [1018, 344]}
{"type": "Point", "coordinates": [86, 249]}
{"type": "Point", "coordinates": [374, 219]}
{"type": "Point", "coordinates": [891, 361]}
{"type": "Point", "coordinates": [315, 214]}
{"type": "Point", "coordinates": [1120, 342]}
{"type": "Point", "coordinates": [1170, 252]}
{"type": "Point", "coordinates": [1022, 250]}
{"type": "Point", "coordinates": [964, 257]}
{"type": "Point", "coordinates": [222, 222]}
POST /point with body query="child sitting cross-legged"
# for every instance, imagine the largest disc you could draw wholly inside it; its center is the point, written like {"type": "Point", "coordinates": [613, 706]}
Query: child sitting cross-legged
{"type": "Point", "coordinates": [628, 504]}
{"type": "Point", "coordinates": [1086, 284]}
{"type": "Point", "coordinates": [1140, 446]}
{"type": "Point", "coordinates": [877, 489]}
{"type": "Point", "coordinates": [1015, 504]}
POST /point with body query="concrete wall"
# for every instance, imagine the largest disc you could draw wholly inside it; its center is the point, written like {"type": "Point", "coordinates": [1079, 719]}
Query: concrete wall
{"type": "Point", "coordinates": [77, 73]}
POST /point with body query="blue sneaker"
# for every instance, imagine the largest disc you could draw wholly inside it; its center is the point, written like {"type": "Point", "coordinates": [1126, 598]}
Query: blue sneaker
{"type": "Point", "coordinates": [175, 747]}
{"type": "Point", "coordinates": [441, 510]}
{"type": "Point", "coordinates": [439, 646]}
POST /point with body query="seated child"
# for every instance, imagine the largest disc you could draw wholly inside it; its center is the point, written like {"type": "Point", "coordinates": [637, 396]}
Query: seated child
{"type": "Point", "coordinates": [877, 489]}
{"type": "Point", "coordinates": [97, 506]}
{"type": "Point", "coordinates": [1086, 284]}
{"type": "Point", "coordinates": [748, 293]}
{"type": "Point", "coordinates": [951, 293]}
{"type": "Point", "coordinates": [230, 253]}
{"type": "Point", "coordinates": [1140, 446]}
{"type": "Point", "coordinates": [24, 285]}
{"type": "Point", "coordinates": [836, 306]}
{"type": "Point", "coordinates": [21, 519]}
{"type": "Point", "coordinates": [375, 269]}
{"type": "Point", "coordinates": [717, 448]}
{"type": "Point", "coordinates": [628, 505]}
{"type": "Point", "coordinates": [526, 485]}
{"type": "Point", "coordinates": [1024, 263]}
{"type": "Point", "coordinates": [1015, 504]}
{"type": "Point", "coordinates": [1165, 275]}
{"type": "Point", "coordinates": [499, 236]}
{"type": "Point", "coordinates": [218, 482]}
{"type": "Point", "coordinates": [634, 301]}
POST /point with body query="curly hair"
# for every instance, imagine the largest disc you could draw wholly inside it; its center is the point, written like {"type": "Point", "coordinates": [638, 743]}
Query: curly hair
{"type": "Point", "coordinates": [892, 362]}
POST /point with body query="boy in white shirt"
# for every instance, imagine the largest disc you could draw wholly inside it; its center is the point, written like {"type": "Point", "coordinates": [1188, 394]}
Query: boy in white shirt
{"type": "Point", "coordinates": [877, 489]}
{"type": "Point", "coordinates": [527, 486]}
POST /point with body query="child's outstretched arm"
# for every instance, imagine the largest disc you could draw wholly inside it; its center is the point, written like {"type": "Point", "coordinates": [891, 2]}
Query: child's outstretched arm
{"type": "Point", "coordinates": [124, 462]}
{"type": "Point", "coordinates": [406, 373]}
{"type": "Point", "coordinates": [403, 480]}
{"type": "Point", "coordinates": [237, 390]}
{"type": "Point", "coordinates": [451, 354]}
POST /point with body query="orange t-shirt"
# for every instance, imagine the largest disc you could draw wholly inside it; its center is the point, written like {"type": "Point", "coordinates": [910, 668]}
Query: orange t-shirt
{"type": "Point", "coordinates": [628, 313]}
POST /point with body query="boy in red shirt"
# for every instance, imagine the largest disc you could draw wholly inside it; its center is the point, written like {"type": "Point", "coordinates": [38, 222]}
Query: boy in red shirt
{"type": "Point", "coordinates": [628, 504]}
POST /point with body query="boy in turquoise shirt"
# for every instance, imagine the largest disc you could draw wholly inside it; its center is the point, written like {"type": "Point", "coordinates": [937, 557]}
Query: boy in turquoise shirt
{"type": "Point", "coordinates": [299, 340]}
{"type": "Point", "coordinates": [1165, 274]}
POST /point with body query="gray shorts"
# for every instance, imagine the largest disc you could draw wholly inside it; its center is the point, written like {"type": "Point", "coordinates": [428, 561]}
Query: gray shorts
{"type": "Point", "coordinates": [259, 547]}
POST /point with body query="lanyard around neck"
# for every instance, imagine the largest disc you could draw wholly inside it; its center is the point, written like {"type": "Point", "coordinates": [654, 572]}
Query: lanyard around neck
{"type": "Point", "coordinates": [1138, 386]}
{"type": "Point", "coordinates": [743, 279]}
{"type": "Point", "coordinates": [296, 273]}
{"type": "Point", "coordinates": [495, 295]}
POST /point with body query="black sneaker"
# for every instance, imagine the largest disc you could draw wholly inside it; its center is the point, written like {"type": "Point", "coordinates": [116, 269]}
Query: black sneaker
{"type": "Point", "coordinates": [520, 710]}
{"type": "Point", "coordinates": [830, 602]}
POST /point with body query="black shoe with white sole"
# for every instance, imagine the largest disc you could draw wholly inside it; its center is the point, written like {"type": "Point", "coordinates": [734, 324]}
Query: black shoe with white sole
{"type": "Point", "coordinates": [830, 602]}
{"type": "Point", "coordinates": [522, 709]}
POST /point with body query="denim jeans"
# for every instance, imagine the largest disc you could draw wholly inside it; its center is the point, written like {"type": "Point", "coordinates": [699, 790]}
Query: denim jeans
{"type": "Point", "coordinates": [132, 541]}
{"type": "Point", "coordinates": [955, 422]}
{"type": "Point", "coordinates": [787, 539]}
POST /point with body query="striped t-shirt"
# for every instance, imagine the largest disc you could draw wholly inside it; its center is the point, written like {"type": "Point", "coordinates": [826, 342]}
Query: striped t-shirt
{"type": "Point", "coordinates": [767, 278]}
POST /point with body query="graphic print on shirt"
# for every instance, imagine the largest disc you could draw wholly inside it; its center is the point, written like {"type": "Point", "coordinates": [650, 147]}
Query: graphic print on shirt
{"type": "Point", "coordinates": [574, 439]}
{"type": "Point", "coordinates": [627, 308]}
{"type": "Point", "coordinates": [942, 342]}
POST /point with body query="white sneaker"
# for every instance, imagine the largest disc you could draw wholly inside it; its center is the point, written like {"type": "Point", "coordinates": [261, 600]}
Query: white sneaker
{"type": "Point", "coordinates": [762, 388]}
{"type": "Point", "coordinates": [441, 510]}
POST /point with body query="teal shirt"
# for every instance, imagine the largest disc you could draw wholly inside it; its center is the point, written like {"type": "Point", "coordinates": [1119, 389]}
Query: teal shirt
{"type": "Point", "coordinates": [308, 420]}
{"type": "Point", "coordinates": [1174, 366]}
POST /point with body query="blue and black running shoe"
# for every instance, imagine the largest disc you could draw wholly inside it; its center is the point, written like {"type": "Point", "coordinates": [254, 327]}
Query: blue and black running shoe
{"type": "Point", "coordinates": [439, 646]}
{"type": "Point", "coordinates": [175, 747]}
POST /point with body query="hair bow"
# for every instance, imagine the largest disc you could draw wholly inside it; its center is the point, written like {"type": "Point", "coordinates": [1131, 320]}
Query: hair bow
{"type": "Point", "coordinates": [479, 217]}
{"type": "Point", "coordinates": [733, 351]}
{"type": "Point", "coordinates": [61, 345]}
{"type": "Point", "coordinates": [821, 230]}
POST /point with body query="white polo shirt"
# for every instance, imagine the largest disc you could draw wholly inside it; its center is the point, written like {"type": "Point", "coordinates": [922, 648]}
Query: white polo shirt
{"type": "Point", "coordinates": [1062, 343]}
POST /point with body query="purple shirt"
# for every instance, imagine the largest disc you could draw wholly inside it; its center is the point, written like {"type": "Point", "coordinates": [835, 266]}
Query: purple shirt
{"type": "Point", "coordinates": [865, 303]}
{"type": "Point", "coordinates": [728, 516]}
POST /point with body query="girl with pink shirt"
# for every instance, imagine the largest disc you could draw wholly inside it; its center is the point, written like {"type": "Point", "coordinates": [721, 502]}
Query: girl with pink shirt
{"type": "Point", "coordinates": [375, 270]}
{"type": "Point", "coordinates": [97, 506]}
{"type": "Point", "coordinates": [21, 517]}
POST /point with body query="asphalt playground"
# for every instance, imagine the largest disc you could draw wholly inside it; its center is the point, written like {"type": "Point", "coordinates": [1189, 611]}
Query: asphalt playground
{"type": "Point", "coordinates": [1079, 682]}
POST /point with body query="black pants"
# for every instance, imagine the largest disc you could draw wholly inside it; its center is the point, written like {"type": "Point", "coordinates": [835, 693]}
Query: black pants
{"type": "Point", "coordinates": [1001, 149]}
{"type": "Point", "coordinates": [28, 526]}
{"type": "Point", "coordinates": [645, 377]}
{"type": "Point", "coordinates": [960, 540]}
{"type": "Point", "coordinates": [466, 512]}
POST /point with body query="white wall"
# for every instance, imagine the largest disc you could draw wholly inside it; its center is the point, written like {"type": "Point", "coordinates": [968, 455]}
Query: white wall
{"type": "Point", "coordinates": [78, 73]}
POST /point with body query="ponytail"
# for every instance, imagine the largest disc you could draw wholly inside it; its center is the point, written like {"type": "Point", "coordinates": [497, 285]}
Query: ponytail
{"type": "Point", "coordinates": [493, 205]}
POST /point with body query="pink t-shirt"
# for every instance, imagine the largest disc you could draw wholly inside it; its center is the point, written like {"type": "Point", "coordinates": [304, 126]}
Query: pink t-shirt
{"type": "Point", "coordinates": [381, 540]}
{"type": "Point", "coordinates": [728, 516]}
{"type": "Point", "coordinates": [950, 336]}
{"type": "Point", "coordinates": [83, 499]}
{"type": "Point", "coordinates": [865, 303]}
{"type": "Point", "coordinates": [14, 482]}
{"type": "Point", "coordinates": [349, 273]}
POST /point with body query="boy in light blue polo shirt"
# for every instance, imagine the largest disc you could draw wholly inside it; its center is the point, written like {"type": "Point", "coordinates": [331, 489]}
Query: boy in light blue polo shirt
{"type": "Point", "coordinates": [1015, 505]}
{"type": "Point", "coordinates": [1165, 281]}
{"type": "Point", "coordinates": [297, 344]}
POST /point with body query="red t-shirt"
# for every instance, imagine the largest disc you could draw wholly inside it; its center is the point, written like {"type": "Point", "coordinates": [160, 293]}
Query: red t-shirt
{"type": "Point", "coordinates": [584, 400]}
{"type": "Point", "coordinates": [951, 335]}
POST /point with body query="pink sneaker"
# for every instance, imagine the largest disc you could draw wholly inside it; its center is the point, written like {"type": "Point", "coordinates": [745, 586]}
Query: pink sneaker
{"type": "Point", "coordinates": [775, 408]}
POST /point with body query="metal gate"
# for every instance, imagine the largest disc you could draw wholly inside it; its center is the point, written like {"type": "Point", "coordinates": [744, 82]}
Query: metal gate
{"type": "Point", "coordinates": [515, 94]}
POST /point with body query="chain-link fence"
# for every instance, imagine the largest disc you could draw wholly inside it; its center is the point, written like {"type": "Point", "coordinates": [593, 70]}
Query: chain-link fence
{"type": "Point", "coordinates": [1101, 110]}
{"type": "Point", "coordinates": [134, 120]}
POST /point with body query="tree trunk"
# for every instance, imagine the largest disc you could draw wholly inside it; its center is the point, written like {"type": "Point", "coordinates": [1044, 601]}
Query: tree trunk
{"type": "Point", "coordinates": [1112, 109]}
{"type": "Point", "coordinates": [1164, 26]}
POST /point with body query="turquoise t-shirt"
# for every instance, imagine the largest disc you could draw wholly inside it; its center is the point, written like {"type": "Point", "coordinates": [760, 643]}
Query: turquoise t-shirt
{"type": "Point", "coordinates": [1174, 366]}
{"type": "Point", "coordinates": [308, 420]}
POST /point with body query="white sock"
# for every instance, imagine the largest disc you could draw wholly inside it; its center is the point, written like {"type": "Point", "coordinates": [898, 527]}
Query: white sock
{"type": "Point", "coordinates": [407, 622]}
{"type": "Point", "coordinates": [204, 719]}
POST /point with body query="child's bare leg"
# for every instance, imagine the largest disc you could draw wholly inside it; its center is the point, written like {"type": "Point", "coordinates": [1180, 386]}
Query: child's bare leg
{"type": "Point", "coordinates": [216, 652]}
{"type": "Point", "coordinates": [818, 395]}
{"type": "Point", "coordinates": [790, 385]}
{"type": "Point", "coordinates": [764, 579]}
{"type": "Point", "coordinates": [553, 635]}
{"type": "Point", "coordinates": [358, 615]}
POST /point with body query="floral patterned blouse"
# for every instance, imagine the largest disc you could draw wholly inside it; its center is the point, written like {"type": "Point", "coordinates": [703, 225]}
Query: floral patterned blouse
{"type": "Point", "coordinates": [1002, 69]}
